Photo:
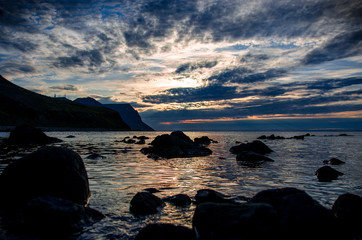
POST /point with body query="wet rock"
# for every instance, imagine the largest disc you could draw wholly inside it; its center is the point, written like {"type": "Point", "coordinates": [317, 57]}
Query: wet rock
{"type": "Point", "coordinates": [175, 145]}
{"type": "Point", "coordinates": [204, 140]}
{"type": "Point", "coordinates": [95, 156]}
{"type": "Point", "coordinates": [28, 135]}
{"type": "Point", "coordinates": [209, 195]}
{"type": "Point", "coordinates": [327, 174]}
{"type": "Point", "coordinates": [271, 137]}
{"type": "Point", "coordinates": [55, 217]}
{"type": "Point", "coordinates": [215, 221]}
{"type": "Point", "coordinates": [334, 161]}
{"type": "Point", "coordinates": [300, 137]}
{"type": "Point", "coordinates": [252, 157]}
{"type": "Point", "coordinates": [145, 203]}
{"type": "Point", "coordinates": [153, 156]}
{"type": "Point", "coordinates": [301, 217]}
{"type": "Point", "coordinates": [255, 146]}
{"type": "Point", "coordinates": [348, 210]}
{"type": "Point", "coordinates": [49, 171]}
{"type": "Point", "coordinates": [165, 232]}
{"type": "Point", "coordinates": [179, 200]}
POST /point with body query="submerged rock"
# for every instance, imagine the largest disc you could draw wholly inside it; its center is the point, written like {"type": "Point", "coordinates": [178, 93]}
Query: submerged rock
{"type": "Point", "coordinates": [145, 203]}
{"type": "Point", "coordinates": [255, 146]}
{"type": "Point", "coordinates": [165, 232]}
{"type": "Point", "coordinates": [215, 221]}
{"type": "Point", "coordinates": [175, 145]}
{"type": "Point", "coordinates": [327, 174]}
{"type": "Point", "coordinates": [180, 200]}
{"type": "Point", "coordinates": [28, 135]}
{"type": "Point", "coordinates": [49, 171]}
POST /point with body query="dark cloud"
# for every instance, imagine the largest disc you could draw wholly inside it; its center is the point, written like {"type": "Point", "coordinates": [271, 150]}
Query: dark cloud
{"type": "Point", "coordinates": [68, 87]}
{"type": "Point", "coordinates": [81, 58]}
{"type": "Point", "coordinates": [12, 68]}
{"type": "Point", "coordinates": [189, 67]}
{"type": "Point", "coordinates": [341, 46]}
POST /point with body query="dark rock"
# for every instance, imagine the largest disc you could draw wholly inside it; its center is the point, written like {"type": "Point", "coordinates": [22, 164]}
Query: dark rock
{"type": "Point", "coordinates": [271, 137]}
{"type": "Point", "coordinates": [301, 217]}
{"type": "Point", "coordinates": [152, 190]}
{"type": "Point", "coordinates": [327, 174]}
{"type": "Point", "coordinates": [49, 171]}
{"type": "Point", "coordinates": [252, 157]}
{"type": "Point", "coordinates": [215, 221]}
{"type": "Point", "coordinates": [175, 145]}
{"type": "Point", "coordinates": [179, 200]}
{"type": "Point", "coordinates": [141, 141]}
{"type": "Point", "coordinates": [204, 140]}
{"type": "Point", "coordinates": [129, 141]}
{"type": "Point", "coordinates": [95, 156]}
{"type": "Point", "coordinates": [256, 146]}
{"type": "Point", "coordinates": [335, 161]}
{"type": "Point", "coordinates": [56, 217]}
{"type": "Point", "coordinates": [301, 137]}
{"type": "Point", "coordinates": [348, 210]}
{"type": "Point", "coordinates": [262, 137]}
{"type": "Point", "coordinates": [145, 203]}
{"type": "Point", "coordinates": [70, 136]}
{"type": "Point", "coordinates": [153, 156]}
{"type": "Point", "coordinates": [209, 195]}
{"type": "Point", "coordinates": [27, 135]}
{"type": "Point", "coordinates": [165, 232]}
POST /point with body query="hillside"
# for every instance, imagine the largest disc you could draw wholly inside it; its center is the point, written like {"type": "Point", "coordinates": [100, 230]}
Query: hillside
{"type": "Point", "coordinates": [21, 106]}
{"type": "Point", "coordinates": [129, 115]}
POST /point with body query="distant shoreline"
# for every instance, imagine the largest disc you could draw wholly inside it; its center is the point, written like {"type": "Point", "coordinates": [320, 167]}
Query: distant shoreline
{"type": "Point", "coordinates": [66, 129]}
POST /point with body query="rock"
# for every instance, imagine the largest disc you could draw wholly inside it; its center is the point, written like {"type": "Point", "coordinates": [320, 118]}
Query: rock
{"type": "Point", "coordinates": [301, 137]}
{"type": "Point", "coordinates": [301, 217]}
{"type": "Point", "coordinates": [256, 146]}
{"type": "Point", "coordinates": [348, 210]}
{"type": "Point", "coordinates": [153, 156]}
{"type": "Point", "coordinates": [271, 137]}
{"type": "Point", "coordinates": [49, 171]}
{"type": "Point", "coordinates": [95, 156]}
{"type": "Point", "coordinates": [152, 190]}
{"type": "Point", "coordinates": [70, 136]}
{"type": "Point", "coordinates": [180, 200]}
{"type": "Point", "coordinates": [215, 221]}
{"type": "Point", "coordinates": [28, 135]}
{"type": "Point", "coordinates": [175, 145]}
{"type": "Point", "coordinates": [209, 195]}
{"type": "Point", "coordinates": [204, 140]}
{"type": "Point", "coordinates": [50, 216]}
{"type": "Point", "coordinates": [252, 158]}
{"type": "Point", "coordinates": [335, 161]}
{"type": "Point", "coordinates": [165, 232]}
{"type": "Point", "coordinates": [145, 203]}
{"type": "Point", "coordinates": [327, 174]}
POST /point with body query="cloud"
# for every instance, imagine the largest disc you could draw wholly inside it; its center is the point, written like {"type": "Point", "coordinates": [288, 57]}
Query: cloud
{"type": "Point", "coordinates": [341, 46]}
{"type": "Point", "coordinates": [67, 87]}
{"type": "Point", "coordinates": [189, 67]}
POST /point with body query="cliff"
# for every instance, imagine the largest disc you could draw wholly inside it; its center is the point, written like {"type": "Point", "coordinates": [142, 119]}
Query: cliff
{"type": "Point", "coordinates": [20, 106]}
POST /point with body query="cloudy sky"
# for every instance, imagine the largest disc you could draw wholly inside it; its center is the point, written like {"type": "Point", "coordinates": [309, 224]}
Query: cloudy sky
{"type": "Point", "coordinates": [187, 64]}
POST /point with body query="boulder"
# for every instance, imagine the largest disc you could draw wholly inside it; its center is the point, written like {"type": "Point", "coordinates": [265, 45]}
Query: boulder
{"type": "Point", "coordinates": [327, 174]}
{"type": "Point", "coordinates": [301, 217]}
{"type": "Point", "coordinates": [165, 232]}
{"type": "Point", "coordinates": [209, 195]}
{"type": "Point", "coordinates": [56, 217]}
{"type": "Point", "coordinates": [49, 171]}
{"type": "Point", "coordinates": [28, 135]}
{"type": "Point", "coordinates": [252, 157]}
{"type": "Point", "coordinates": [255, 146]}
{"type": "Point", "coordinates": [175, 145]}
{"type": "Point", "coordinates": [348, 210]}
{"type": "Point", "coordinates": [145, 203]}
{"type": "Point", "coordinates": [334, 161]}
{"type": "Point", "coordinates": [226, 221]}
{"type": "Point", "coordinates": [204, 140]}
{"type": "Point", "coordinates": [180, 200]}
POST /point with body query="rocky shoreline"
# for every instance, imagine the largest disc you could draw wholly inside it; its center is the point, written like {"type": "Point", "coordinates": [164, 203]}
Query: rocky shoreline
{"type": "Point", "coordinates": [45, 194]}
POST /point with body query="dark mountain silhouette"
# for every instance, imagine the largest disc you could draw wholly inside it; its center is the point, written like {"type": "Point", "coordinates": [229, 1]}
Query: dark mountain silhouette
{"type": "Point", "coordinates": [20, 106]}
{"type": "Point", "coordinates": [129, 115]}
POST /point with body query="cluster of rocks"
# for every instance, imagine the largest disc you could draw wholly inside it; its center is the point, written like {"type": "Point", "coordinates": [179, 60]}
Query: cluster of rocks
{"type": "Point", "coordinates": [273, 137]}
{"type": "Point", "coordinates": [45, 194]}
{"type": "Point", "coordinates": [134, 140]}
{"type": "Point", "coordinates": [252, 154]}
{"type": "Point", "coordinates": [286, 213]}
{"type": "Point", "coordinates": [176, 145]}
{"type": "Point", "coordinates": [327, 173]}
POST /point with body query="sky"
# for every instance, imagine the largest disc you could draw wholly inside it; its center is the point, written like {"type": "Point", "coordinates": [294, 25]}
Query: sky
{"type": "Point", "coordinates": [194, 64]}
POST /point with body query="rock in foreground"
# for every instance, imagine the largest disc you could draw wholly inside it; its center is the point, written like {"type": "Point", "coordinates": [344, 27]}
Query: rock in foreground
{"type": "Point", "coordinates": [50, 171]}
{"type": "Point", "coordinates": [175, 145]}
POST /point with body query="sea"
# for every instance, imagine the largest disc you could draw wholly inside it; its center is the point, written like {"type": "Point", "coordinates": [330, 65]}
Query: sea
{"type": "Point", "coordinates": [124, 170]}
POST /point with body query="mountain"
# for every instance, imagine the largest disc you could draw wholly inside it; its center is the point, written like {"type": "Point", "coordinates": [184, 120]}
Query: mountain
{"type": "Point", "coordinates": [129, 115]}
{"type": "Point", "coordinates": [20, 106]}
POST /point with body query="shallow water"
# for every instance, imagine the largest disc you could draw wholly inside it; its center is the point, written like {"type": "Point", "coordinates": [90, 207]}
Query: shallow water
{"type": "Point", "coordinates": [124, 171]}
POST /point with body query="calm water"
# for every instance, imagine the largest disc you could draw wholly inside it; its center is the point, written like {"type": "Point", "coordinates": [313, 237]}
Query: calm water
{"type": "Point", "coordinates": [124, 171]}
